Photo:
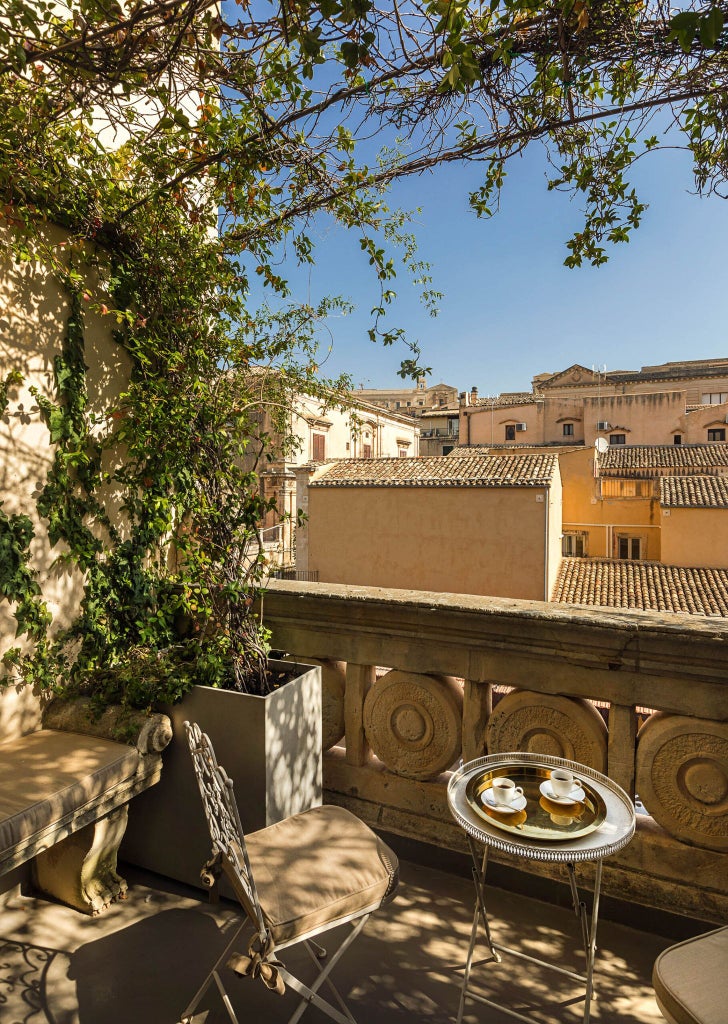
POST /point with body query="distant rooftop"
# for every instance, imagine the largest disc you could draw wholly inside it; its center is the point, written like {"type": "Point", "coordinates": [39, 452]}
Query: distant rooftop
{"type": "Point", "coordinates": [694, 492]}
{"type": "Point", "coordinates": [622, 458]}
{"type": "Point", "coordinates": [435, 471]}
{"type": "Point", "coordinates": [646, 586]}
{"type": "Point", "coordinates": [487, 449]}
{"type": "Point", "coordinates": [508, 399]}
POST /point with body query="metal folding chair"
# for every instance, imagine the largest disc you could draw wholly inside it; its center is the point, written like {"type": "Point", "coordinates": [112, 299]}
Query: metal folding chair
{"type": "Point", "coordinates": [294, 880]}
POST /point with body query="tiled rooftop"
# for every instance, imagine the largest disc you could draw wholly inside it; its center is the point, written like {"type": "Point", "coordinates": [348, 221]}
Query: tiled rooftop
{"type": "Point", "coordinates": [625, 458]}
{"type": "Point", "coordinates": [434, 471]}
{"type": "Point", "coordinates": [142, 960]}
{"type": "Point", "coordinates": [694, 491]}
{"type": "Point", "coordinates": [642, 585]}
{"type": "Point", "coordinates": [503, 401]}
{"type": "Point", "coordinates": [489, 449]}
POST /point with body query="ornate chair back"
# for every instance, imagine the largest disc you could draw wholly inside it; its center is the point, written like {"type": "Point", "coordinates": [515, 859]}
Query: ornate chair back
{"type": "Point", "coordinates": [229, 852]}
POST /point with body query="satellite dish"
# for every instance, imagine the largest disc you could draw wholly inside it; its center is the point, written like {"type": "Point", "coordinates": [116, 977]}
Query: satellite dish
{"type": "Point", "coordinates": [601, 445]}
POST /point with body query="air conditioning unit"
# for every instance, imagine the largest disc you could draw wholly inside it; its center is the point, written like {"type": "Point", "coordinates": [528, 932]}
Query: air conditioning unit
{"type": "Point", "coordinates": [520, 426]}
{"type": "Point", "coordinates": [602, 425]}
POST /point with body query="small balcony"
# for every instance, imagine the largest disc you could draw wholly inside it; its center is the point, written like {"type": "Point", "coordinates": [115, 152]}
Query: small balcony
{"type": "Point", "coordinates": [415, 682]}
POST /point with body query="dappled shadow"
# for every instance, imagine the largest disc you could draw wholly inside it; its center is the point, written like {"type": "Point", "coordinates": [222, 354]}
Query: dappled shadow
{"type": "Point", "coordinates": [24, 970]}
{"type": "Point", "coordinates": [143, 960]}
{"type": "Point", "coordinates": [147, 972]}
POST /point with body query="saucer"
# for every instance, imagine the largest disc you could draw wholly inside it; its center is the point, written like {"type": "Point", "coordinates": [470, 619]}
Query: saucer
{"type": "Point", "coordinates": [512, 808]}
{"type": "Point", "coordinates": [574, 796]}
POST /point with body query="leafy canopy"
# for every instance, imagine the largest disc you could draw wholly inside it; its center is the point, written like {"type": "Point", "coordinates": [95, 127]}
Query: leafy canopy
{"type": "Point", "coordinates": [187, 149]}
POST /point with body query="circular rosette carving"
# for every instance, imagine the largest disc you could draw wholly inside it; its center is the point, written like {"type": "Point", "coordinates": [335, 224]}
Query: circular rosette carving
{"type": "Point", "coordinates": [682, 777]}
{"type": "Point", "coordinates": [540, 723]}
{"type": "Point", "coordinates": [414, 723]}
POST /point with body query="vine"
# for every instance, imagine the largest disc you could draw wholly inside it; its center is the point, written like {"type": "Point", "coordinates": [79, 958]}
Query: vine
{"type": "Point", "coordinates": [18, 580]}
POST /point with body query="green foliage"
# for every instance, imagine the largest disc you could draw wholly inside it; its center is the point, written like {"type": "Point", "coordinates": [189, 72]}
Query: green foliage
{"type": "Point", "coordinates": [253, 123]}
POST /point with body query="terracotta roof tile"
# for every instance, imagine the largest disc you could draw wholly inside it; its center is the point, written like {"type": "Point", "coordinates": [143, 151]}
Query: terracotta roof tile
{"type": "Point", "coordinates": [626, 459]}
{"type": "Point", "coordinates": [646, 586]}
{"type": "Point", "coordinates": [505, 401]}
{"type": "Point", "coordinates": [435, 471]}
{"type": "Point", "coordinates": [694, 491]}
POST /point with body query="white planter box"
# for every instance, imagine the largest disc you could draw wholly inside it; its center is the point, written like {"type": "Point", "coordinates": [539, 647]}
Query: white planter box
{"type": "Point", "coordinates": [269, 746]}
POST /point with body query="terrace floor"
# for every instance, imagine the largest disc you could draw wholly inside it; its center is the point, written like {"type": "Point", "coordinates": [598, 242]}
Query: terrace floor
{"type": "Point", "coordinates": [141, 961]}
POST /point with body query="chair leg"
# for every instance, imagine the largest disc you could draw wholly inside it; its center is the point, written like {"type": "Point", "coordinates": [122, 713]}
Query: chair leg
{"type": "Point", "coordinates": [329, 983]}
{"type": "Point", "coordinates": [310, 994]}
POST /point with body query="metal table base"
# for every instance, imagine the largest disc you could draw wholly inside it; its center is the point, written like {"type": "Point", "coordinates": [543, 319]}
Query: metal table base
{"type": "Point", "coordinates": [610, 834]}
{"type": "Point", "coordinates": [480, 916]}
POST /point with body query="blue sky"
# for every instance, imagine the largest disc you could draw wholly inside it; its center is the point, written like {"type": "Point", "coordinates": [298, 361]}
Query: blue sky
{"type": "Point", "coordinates": [510, 308]}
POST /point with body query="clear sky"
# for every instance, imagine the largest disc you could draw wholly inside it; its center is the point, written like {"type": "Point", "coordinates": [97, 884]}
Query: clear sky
{"type": "Point", "coordinates": [510, 308]}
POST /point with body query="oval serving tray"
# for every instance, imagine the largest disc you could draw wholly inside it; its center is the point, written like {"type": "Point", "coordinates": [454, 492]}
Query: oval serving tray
{"type": "Point", "coordinates": [542, 819]}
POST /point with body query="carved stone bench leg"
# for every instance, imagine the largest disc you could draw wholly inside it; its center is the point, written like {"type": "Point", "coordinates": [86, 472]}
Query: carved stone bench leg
{"type": "Point", "coordinates": [80, 871]}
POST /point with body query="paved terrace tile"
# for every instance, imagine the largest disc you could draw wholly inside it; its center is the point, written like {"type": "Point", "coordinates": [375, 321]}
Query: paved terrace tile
{"type": "Point", "coordinates": [141, 961]}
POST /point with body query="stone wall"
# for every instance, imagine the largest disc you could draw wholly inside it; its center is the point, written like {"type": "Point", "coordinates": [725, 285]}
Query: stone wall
{"type": "Point", "coordinates": [393, 736]}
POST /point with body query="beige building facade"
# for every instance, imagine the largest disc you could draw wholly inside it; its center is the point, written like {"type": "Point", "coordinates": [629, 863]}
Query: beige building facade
{"type": "Point", "coordinates": [409, 401]}
{"type": "Point", "coordinates": [360, 431]}
{"type": "Point", "coordinates": [675, 403]}
{"type": "Point", "coordinates": [471, 525]}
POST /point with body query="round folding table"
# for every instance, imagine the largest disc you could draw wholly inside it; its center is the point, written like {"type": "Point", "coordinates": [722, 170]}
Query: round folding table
{"type": "Point", "coordinates": [547, 828]}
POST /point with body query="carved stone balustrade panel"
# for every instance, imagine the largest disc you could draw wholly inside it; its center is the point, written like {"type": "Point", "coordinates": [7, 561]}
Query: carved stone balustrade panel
{"type": "Point", "coordinates": [682, 777]}
{"type": "Point", "coordinates": [540, 723]}
{"type": "Point", "coordinates": [413, 723]}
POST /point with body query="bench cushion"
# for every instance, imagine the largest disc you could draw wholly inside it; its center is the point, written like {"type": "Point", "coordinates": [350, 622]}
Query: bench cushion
{"type": "Point", "coordinates": [49, 774]}
{"type": "Point", "coordinates": [691, 980]}
{"type": "Point", "coordinates": [318, 867]}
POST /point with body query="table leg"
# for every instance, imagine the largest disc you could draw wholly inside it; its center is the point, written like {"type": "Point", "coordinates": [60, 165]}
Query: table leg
{"type": "Point", "coordinates": [591, 952]}
{"type": "Point", "coordinates": [479, 882]}
{"type": "Point", "coordinates": [579, 908]}
{"type": "Point", "coordinates": [480, 915]}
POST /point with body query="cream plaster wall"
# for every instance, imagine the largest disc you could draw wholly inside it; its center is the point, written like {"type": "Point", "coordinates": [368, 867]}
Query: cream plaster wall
{"type": "Point", "coordinates": [33, 312]}
{"type": "Point", "coordinates": [482, 424]}
{"type": "Point", "coordinates": [643, 418]}
{"type": "Point", "coordinates": [554, 497]}
{"type": "Point", "coordinates": [348, 430]}
{"type": "Point", "coordinates": [447, 539]}
{"type": "Point", "coordinates": [695, 537]}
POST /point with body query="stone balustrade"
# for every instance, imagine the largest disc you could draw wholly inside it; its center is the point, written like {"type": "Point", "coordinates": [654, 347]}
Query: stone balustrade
{"type": "Point", "coordinates": [391, 738]}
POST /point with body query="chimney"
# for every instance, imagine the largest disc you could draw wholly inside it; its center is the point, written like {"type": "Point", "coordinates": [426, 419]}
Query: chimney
{"type": "Point", "coordinates": [463, 399]}
{"type": "Point", "coordinates": [473, 396]}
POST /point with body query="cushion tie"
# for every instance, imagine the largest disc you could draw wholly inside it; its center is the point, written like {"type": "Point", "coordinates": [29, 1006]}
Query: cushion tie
{"type": "Point", "coordinates": [258, 965]}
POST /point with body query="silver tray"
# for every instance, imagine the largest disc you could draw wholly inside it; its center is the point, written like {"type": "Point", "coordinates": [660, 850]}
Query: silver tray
{"type": "Point", "coordinates": [542, 819]}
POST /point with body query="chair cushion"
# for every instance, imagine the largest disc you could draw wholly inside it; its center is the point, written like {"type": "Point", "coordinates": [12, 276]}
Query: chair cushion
{"type": "Point", "coordinates": [691, 980]}
{"type": "Point", "coordinates": [318, 867]}
{"type": "Point", "coordinates": [49, 774]}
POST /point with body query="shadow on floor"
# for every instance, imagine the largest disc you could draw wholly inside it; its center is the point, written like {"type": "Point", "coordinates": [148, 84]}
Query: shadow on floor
{"type": "Point", "coordinates": [143, 961]}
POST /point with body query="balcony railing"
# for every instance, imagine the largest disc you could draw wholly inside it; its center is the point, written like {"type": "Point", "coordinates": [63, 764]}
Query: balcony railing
{"type": "Point", "coordinates": [440, 432]}
{"type": "Point", "coordinates": [392, 736]}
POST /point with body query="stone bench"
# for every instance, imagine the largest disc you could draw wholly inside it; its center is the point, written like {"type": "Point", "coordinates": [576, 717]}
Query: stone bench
{"type": "Point", "coordinates": [64, 797]}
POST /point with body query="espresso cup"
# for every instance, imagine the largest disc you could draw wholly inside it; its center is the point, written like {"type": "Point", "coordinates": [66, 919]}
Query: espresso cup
{"type": "Point", "coordinates": [505, 791]}
{"type": "Point", "coordinates": [563, 781]}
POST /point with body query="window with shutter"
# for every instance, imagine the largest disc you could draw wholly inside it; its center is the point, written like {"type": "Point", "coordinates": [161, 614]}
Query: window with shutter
{"type": "Point", "coordinates": [319, 447]}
